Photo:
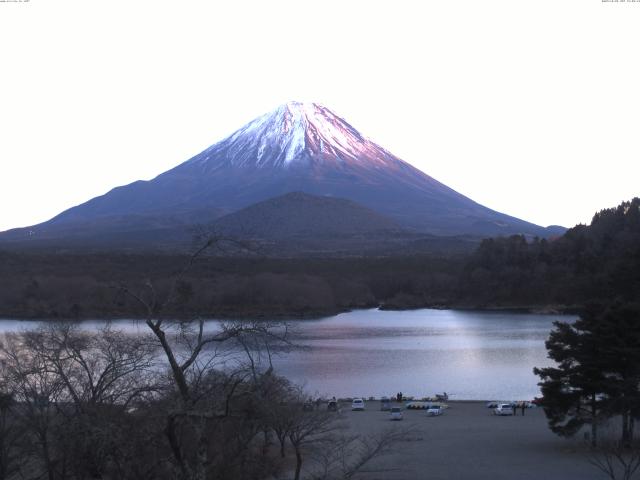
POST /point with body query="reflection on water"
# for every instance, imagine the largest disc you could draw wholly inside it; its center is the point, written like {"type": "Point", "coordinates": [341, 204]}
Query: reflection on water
{"type": "Point", "coordinates": [468, 354]}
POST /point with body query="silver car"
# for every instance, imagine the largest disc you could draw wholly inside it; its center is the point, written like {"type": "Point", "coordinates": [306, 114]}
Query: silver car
{"type": "Point", "coordinates": [396, 413]}
{"type": "Point", "coordinates": [434, 410]}
{"type": "Point", "coordinates": [503, 409]}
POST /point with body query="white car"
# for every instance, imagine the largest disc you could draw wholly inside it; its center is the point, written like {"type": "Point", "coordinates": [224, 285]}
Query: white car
{"type": "Point", "coordinates": [434, 410]}
{"type": "Point", "coordinates": [503, 409]}
{"type": "Point", "coordinates": [396, 413]}
{"type": "Point", "coordinates": [357, 404]}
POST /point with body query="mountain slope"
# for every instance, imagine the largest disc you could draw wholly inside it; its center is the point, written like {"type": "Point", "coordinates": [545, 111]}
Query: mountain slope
{"type": "Point", "coordinates": [297, 147]}
{"type": "Point", "coordinates": [300, 215]}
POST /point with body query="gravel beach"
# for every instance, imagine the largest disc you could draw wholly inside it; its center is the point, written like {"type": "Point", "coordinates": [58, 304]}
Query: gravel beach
{"type": "Point", "coordinates": [469, 442]}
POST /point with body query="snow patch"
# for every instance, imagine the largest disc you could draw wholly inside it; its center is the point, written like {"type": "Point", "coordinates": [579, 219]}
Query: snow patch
{"type": "Point", "coordinates": [281, 137]}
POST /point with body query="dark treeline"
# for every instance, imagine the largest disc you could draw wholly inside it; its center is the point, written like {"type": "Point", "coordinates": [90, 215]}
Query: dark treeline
{"type": "Point", "coordinates": [599, 261]}
{"type": "Point", "coordinates": [86, 286]}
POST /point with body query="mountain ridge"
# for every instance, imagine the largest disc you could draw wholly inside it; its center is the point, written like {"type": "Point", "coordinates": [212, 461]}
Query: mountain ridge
{"type": "Point", "coordinates": [296, 147]}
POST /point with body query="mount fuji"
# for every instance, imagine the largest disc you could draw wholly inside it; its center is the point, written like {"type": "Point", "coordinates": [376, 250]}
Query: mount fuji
{"type": "Point", "coordinates": [298, 147]}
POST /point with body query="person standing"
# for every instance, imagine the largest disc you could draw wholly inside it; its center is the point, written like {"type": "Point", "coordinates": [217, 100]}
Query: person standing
{"type": "Point", "coordinates": [523, 405]}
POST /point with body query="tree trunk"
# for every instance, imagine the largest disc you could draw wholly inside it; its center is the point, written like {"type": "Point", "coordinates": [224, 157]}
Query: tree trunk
{"type": "Point", "coordinates": [594, 424]}
{"type": "Point", "coordinates": [267, 442]}
{"type": "Point", "coordinates": [626, 442]}
{"type": "Point", "coordinates": [298, 463]}
{"type": "Point", "coordinates": [180, 467]}
{"type": "Point", "coordinates": [282, 439]}
{"type": "Point", "coordinates": [202, 449]}
{"type": "Point", "coordinates": [47, 457]}
{"type": "Point", "coordinates": [178, 373]}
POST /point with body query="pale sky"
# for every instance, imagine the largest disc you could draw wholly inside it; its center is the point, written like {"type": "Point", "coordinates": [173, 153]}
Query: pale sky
{"type": "Point", "coordinates": [529, 107]}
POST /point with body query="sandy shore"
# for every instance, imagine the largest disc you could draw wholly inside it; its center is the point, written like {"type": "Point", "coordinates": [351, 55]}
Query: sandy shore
{"type": "Point", "coordinates": [468, 442]}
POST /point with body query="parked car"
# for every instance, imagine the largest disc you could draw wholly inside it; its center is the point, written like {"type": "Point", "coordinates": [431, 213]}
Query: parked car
{"type": "Point", "coordinates": [503, 409]}
{"type": "Point", "coordinates": [357, 404]}
{"type": "Point", "coordinates": [385, 404]}
{"type": "Point", "coordinates": [434, 410]}
{"type": "Point", "coordinates": [495, 403]}
{"type": "Point", "coordinates": [396, 413]}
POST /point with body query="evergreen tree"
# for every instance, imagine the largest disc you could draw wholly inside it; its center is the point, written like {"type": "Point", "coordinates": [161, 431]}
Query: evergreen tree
{"type": "Point", "coordinates": [573, 392]}
{"type": "Point", "coordinates": [598, 372]}
{"type": "Point", "coordinates": [618, 331]}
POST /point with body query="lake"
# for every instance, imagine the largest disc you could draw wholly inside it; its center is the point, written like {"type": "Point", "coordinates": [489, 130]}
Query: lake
{"type": "Point", "coordinates": [470, 355]}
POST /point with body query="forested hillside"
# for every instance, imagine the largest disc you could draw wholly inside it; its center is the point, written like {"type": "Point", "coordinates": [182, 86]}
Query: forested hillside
{"type": "Point", "coordinates": [87, 286]}
{"type": "Point", "coordinates": [596, 262]}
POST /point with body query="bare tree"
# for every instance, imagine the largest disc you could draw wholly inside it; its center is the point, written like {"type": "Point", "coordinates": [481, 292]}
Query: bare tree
{"type": "Point", "coordinates": [282, 420]}
{"type": "Point", "coordinates": [347, 456]}
{"type": "Point", "coordinates": [191, 351]}
{"type": "Point", "coordinates": [310, 429]}
{"type": "Point", "coordinates": [108, 368]}
{"type": "Point", "coordinates": [74, 389]}
{"type": "Point", "coordinates": [28, 377]}
{"type": "Point", "coordinates": [11, 435]}
{"type": "Point", "coordinates": [617, 459]}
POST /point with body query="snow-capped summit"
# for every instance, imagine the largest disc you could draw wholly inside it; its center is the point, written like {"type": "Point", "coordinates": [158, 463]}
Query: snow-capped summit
{"type": "Point", "coordinates": [296, 133]}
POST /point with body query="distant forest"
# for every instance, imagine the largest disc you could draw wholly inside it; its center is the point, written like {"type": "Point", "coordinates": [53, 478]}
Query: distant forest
{"type": "Point", "coordinates": [596, 262]}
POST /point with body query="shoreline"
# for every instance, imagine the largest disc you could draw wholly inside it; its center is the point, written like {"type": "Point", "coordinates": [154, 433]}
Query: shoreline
{"type": "Point", "coordinates": [448, 402]}
{"type": "Point", "coordinates": [315, 315]}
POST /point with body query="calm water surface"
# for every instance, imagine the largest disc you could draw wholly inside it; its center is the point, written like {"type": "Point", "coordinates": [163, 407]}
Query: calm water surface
{"type": "Point", "coordinates": [468, 354]}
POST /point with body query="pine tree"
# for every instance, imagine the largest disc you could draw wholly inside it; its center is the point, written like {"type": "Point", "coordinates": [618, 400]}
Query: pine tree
{"type": "Point", "coordinates": [618, 330]}
{"type": "Point", "coordinates": [573, 392]}
{"type": "Point", "coordinates": [598, 371]}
